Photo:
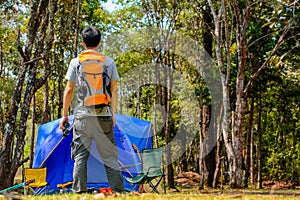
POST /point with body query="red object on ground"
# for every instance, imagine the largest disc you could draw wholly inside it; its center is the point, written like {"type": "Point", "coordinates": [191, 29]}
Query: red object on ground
{"type": "Point", "coordinates": [106, 190]}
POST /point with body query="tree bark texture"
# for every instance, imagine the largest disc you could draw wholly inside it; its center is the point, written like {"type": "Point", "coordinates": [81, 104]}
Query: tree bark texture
{"type": "Point", "coordinates": [259, 170]}
{"type": "Point", "coordinates": [210, 160]}
{"type": "Point", "coordinates": [238, 126]}
{"type": "Point", "coordinates": [248, 144]}
{"type": "Point", "coordinates": [217, 18]}
{"type": "Point", "coordinates": [41, 21]}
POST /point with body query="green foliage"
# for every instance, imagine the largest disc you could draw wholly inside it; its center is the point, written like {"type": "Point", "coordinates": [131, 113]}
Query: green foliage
{"type": "Point", "coordinates": [281, 147]}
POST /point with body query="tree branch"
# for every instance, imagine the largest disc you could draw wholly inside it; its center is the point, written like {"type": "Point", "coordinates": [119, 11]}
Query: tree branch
{"type": "Point", "coordinates": [24, 160]}
{"type": "Point", "coordinates": [274, 50]}
{"type": "Point", "coordinates": [212, 9]}
{"type": "Point", "coordinates": [246, 18]}
{"type": "Point", "coordinates": [33, 60]}
{"type": "Point", "coordinates": [20, 50]}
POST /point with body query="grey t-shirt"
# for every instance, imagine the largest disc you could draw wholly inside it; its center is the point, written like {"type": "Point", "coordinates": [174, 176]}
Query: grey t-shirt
{"type": "Point", "coordinates": [80, 110]}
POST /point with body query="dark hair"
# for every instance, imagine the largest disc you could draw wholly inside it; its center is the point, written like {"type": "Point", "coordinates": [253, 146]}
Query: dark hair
{"type": "Point", "coordinates": [91, 36]}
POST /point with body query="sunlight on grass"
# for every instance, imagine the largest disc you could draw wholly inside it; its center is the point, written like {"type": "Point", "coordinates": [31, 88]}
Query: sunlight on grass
{"type": "Point", "coordinates": [183, 195]}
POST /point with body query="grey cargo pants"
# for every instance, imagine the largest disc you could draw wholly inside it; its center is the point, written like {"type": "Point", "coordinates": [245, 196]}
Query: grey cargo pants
{"type": "Point", "coordinates": [101, 130]}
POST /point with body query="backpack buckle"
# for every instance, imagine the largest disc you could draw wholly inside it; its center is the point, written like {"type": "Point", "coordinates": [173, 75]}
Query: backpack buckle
{"type": "Point", "coordinates": [97, 109]}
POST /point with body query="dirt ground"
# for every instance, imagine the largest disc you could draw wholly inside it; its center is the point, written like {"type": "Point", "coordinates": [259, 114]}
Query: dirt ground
{"type": "Point", "coordinates": [192, 179]}
{"type": "Point", "coordinates": [187, 188]}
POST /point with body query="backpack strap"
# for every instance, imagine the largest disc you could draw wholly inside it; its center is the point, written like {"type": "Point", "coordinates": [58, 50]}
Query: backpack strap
{"type": "Point", "coordinates": [105, 79]}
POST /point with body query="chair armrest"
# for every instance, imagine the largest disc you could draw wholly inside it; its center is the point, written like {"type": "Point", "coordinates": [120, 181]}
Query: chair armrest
{"type": "Point", "coordinates": [129, 166]}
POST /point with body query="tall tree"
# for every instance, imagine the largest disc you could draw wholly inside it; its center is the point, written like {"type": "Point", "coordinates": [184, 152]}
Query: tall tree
{"type": "Point", "coordinates": [225, 78]}
{"type": "Point", "coordinates": [38, 45]}
{"type": "Point", "coordinates": [210, 158]}
{"type": "Point", "coordinates": [164, 15]}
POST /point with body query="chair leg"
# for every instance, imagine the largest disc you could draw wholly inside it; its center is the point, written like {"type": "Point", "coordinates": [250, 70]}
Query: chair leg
{"type": "Point", "coordinates": [154, 190]}
{"type": "Point", "coordinates": [31, 191]}
{"type": "Point", "coordinates": [154, 187]}
{"type": "Point", "coordinates": [42, 190]}
{"type": "Point", "coordinates": [141, 188]}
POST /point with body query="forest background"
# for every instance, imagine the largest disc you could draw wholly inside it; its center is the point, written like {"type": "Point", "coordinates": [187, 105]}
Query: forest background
{"type": "Point", "coordinates": [219, 80]}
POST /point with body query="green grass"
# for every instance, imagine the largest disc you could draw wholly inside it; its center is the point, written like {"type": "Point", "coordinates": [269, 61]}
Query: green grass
{"type": "Point", "coordinates": [184, 194]}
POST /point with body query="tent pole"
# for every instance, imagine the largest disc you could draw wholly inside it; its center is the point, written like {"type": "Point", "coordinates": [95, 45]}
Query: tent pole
{"type": "Point", "coordinates": [42, 164]}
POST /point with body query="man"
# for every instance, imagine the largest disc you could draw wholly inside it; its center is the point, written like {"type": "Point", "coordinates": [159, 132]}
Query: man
{"type": "Point", "coordinates": [91, 73]}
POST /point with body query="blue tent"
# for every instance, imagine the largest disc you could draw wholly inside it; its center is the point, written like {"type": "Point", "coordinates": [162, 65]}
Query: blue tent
{"type": "Point", "coordinates": [54, 152]}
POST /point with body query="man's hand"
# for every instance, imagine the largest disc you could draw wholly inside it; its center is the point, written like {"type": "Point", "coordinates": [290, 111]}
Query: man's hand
{"type": "Point", "coordinates": [63, 120]}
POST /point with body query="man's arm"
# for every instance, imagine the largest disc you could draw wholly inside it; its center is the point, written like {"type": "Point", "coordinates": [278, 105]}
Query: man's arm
{"type": "Point", "coordinates": [68, 95]}
{"type": "Point", "coordinates": [114, 98]}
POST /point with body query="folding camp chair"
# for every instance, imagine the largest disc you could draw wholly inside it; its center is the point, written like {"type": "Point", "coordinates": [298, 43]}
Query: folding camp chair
{"type": "Point", "coordinates": [152, 168]}
{"type": "Point", "coordinates": [40, 185]}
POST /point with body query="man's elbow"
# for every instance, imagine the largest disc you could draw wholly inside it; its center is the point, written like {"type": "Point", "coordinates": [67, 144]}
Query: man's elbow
{"type": "Point", "coordinates": [68, 90]}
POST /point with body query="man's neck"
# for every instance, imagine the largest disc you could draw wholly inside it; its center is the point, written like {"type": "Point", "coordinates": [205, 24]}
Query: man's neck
{"type": "Point", "coordinates": [92, 48]}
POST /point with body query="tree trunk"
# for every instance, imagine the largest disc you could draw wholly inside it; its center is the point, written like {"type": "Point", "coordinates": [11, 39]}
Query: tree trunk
{"type": "Point", "coordinates": [225, 76]}
{"type": "Point", "coordinates": [46, 113]}
{"type": "Point", "coordinates": [1, 76]}
{"type": "Point", "coordinates": [248, 144]}
{"type": "Point", "coordinates": [154, 121]}
{"type": "Point", "coordinates": [218, 153]}
{"type": "Point", "coordinates": [201, 156]}
{"type": "Point", "coordinates": [168, 96]}
{"type": "Point", "coordinates": [238, 127]}
{"type": "Point", "coordinates": [252, 159]}
{"type": "Point", "coordinates": [170, 170]}
{"type": "Point", "coordinates": [1, 118]}
{"type": "Point", "coordinates": [77, 27]}
{"type": "Point", "coordinates": [218, 162]}
{"type": "Point", "coordinates": [207, 156]}
{"type": "Point", "coordinates": [1, 60]}
{"type": "Point", "coordinates": [183, 148]}
{"type": "Point", "coordinates": [259, 178]}
{"type": "Point", "coordinates": [60, 85]}
{"type": "Point", "coordinates": [138, 103]}
{"type": "Point", "coordinates": [227, 139]}
{"type": "Point", "coordinates": [32, 133]}
{"type": "Point", "coordinates": [42, 16]}
{"type": "Point", "coordinates": [210, 160]}
{"type": "Point", "coordinates": [6, 153]}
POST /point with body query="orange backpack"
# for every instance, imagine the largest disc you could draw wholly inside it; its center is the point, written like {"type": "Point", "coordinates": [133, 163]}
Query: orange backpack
{"type": "Point", "coordinates": [93, 79]}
